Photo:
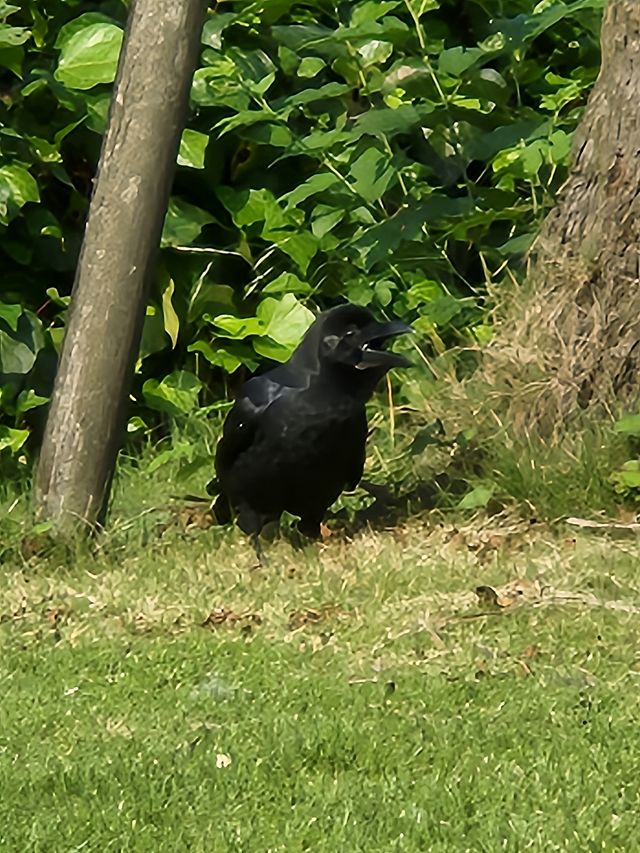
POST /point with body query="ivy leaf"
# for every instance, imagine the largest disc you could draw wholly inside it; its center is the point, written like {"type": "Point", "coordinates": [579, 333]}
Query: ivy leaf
{"type": "Point", "coordinates": [11, 314]}
{"type": "Point", "coordinates": [171, 320]}
{"type": "Point", "coordinates": [310, 66]}
{"type": "Point", "coordinates": [238, 328]}
{"type": "Point", "coordinates": [253, 206]}
{"type": "Point", "coordinates": [193, 147]}
{"type": "Point", "coordinates": [218, 357]}
{"type": "Point", "coordinates": [13, 36]}
{"type": "Point", "coordinates": [176, 394]}
{"type": "Point", "coordinates": [456, 60]}
{"type": "Point", "coordinates": [28, 400]}
{"type": "Point", "coordinates": [15, 355]}
{"type": "Point", "coordinates": [286, 320]}
{"type": "Point", "coordinates": [229, 357]}
{"type": "Point", "coordinates": [287, 282]}
{"type": "Point", "coordinates": [214, 27]}
{"type": "Point", "coordinates": [90, 56]}
{"type": "Point", "coordinates": [12, 439]}
{"type": "Point", "coordinates": [478, 497]}
{"type": "Point", "coordinates": [17, 186]}
{"type": "Point", "coordinates": [375, 52]}
{"type": "Point", "coordinates": [320, 182]}
{"type": "Point", "coordinates": [384, 121]}
{"type": "Point", "coordinates": [12, 58]}
{"type": "Point", "coordinates": [373, 173]}
{"type": "Point", "coordinates": [325, 222]}
{"type": "Point", "coordinates": [88, 19]}
{"type": "Point", "coordinates": [628, 425]}
{"type": "Point", "coordinates": [183, 223]}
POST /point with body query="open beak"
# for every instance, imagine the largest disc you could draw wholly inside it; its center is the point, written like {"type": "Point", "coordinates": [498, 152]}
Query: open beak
{"type": "Point", "coordinates": [373, 352]}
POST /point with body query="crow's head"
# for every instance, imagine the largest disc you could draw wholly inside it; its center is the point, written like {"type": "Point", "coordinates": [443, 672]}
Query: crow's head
{"type": "Point", "coordinates": [350, 341]}
{"type": "Point", "coordinates": [350, 335]}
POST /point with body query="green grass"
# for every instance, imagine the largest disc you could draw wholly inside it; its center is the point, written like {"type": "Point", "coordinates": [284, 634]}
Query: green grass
{"type": "Point", "coordinates": [352, 697]}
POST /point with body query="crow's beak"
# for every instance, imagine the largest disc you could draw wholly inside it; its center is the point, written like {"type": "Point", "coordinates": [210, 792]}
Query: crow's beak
{"type": "Point", "coordinates": [373, 353]}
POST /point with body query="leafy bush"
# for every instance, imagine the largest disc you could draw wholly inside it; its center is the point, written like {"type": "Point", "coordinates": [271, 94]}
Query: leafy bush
{"type": "Point", "coordinates": [396, 153]}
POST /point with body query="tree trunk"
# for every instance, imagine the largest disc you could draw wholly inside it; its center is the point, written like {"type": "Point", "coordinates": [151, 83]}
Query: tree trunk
{"type": "Point", "coordinates": [572, 336]}
{"type": "Point", "coordinates": [88, 409]}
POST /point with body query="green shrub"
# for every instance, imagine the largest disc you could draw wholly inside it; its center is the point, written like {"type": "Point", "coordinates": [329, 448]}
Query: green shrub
{"type": "Point", "coordinates": [396, 154]}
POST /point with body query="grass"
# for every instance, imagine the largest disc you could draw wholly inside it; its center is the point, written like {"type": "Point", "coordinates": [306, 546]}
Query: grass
{"type": "Point", "coordinates": [159, 693]}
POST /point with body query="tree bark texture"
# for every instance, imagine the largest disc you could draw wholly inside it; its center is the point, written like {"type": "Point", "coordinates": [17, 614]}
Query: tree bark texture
{"type": "Point", "coordinates": [88, 409]}
{"type": "Point", "coordinates": [572, 338]}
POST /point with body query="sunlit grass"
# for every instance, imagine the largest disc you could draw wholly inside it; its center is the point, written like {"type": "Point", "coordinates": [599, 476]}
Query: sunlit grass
{"type": "Point", "coordinates": [161, 693]}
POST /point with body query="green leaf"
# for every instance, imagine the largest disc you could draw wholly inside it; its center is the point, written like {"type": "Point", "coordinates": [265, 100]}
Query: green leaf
{"type": "Point", "coordinates": [238, 328]}
{"type": "Point", "coordinates": [627, 477]}
{"type": "Point", "coordinates": [373, 174]}
{"type": "Point", "coordinates": [176, 394]}
{"type": "Point", "coordinates": [285, 320]}
{"type": "Point", "coordinates": [12, 58]}
{"type": "Point", "coordinates": [215, 26]}
{"type": "Point", "coordinates": [324, 223]}
{"type": "Point", "coordinates": [12, 439]}
{"type": "Point", "coordinates": [15, 355]}
{"type": "Point", "coordinates": [171, 320]}
{"type": "Point", "coordinates": [457, 60]}
{"type": "Point", "coordinates": [154, 337]}
{"type": "Point", "coordinates": [98, 111]}
{"type": "Point", "coordinates": [193, 147]}
{"type": "Point", "coordinates": [423, 292]}
{"type": "Point", "coordinates": [183, 223]}
{"type": "Point", "coordinates": [300, 247]}
{"type": "Point", "coordinates": [310, 66]}
{"type": "Point", "coordinates": [384, 122]}
{"type": "Point", "coordinates": [478, 497]}
{"type": "Point", "coordinates": [384, 238]}
{"type": "Point", "coordinates": [320, 182]}
{"type": "Point", "coordinates": [628, 425]}
{"type": "Point", "coordinates": [282, 321]}
{"type": "Point", "coordinates": [308, 96]}
{"type": "Point", "coordinates": [230, 356]}
{"type": "Point", "coordinates": [13, 36]}
{"type": "Point", "coordinates": [375, 52]}
{"type": "Point", "coordinates": [180, 452]}
{"type": "Point", "coordinates": [218, 357]}
{"type": "Point", "coordinates": [88, 19]}
{"type": "Point", "coordinates": [28, 400]}
{"type": "Point", "coordinates": [7, 9]}
{"type": "Point", "coordinates": [216, 86]}
{"type": "Point", "coordinates": [371, 11]}
{"type": "Point", "coordinates": [90, 56]}
{"type": "Point", "coordinates": [287, 282]}
{"type": "Point", "coordinates": [11, 314]}
{"type": "Point", "coordinates": [253, 206]}
{"type": "Point", "coordinates": [17, 186]}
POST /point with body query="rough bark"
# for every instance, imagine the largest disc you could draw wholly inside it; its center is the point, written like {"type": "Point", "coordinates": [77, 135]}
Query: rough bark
{"type": "Point", "coordinates": [572, 338]}
{"type": "Point", "coordinates": [86, 420]}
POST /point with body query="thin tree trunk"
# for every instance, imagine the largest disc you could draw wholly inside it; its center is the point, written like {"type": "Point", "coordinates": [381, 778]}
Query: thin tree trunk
{"type": "Point", "coordinates": [86, 420]}
{"type": "Point", "coordinates": [572, 339]}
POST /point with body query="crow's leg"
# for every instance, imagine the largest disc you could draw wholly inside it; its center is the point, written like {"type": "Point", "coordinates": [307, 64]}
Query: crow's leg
{"type": "Point", "coordinates": [254, 538]}
{"type": "Point", "coordinates": [309, 527]}
{"type": "Point", "coordinates": [251, 523]}
{"type": "Point", "coordinates": [271, 529]}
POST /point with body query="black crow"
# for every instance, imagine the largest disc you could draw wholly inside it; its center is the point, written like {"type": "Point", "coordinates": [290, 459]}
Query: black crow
{"type": "Point", "coordinates": [295, 437]}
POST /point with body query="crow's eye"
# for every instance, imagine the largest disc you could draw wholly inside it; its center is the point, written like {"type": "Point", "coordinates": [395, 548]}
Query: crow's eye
{"type": "Point", "coordinates": [350, 335]}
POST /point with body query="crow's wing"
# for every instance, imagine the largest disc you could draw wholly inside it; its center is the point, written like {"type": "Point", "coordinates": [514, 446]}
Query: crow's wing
{"type": "Point", "coordinates": [244, 421]}
{"type": "Point", "coordinates": [359, 431]}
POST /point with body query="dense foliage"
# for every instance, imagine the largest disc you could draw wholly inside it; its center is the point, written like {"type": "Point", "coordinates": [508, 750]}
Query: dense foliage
{"type": "Point", "coordinates": [397, 153]}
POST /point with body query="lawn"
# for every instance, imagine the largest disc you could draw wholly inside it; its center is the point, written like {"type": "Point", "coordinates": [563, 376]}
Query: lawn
{"type": "Point", "coordinates": [161, 693]}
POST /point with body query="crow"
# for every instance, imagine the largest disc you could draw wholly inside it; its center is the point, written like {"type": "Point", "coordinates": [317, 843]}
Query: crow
{"type": "Point", "coordinates": [295, 437]}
